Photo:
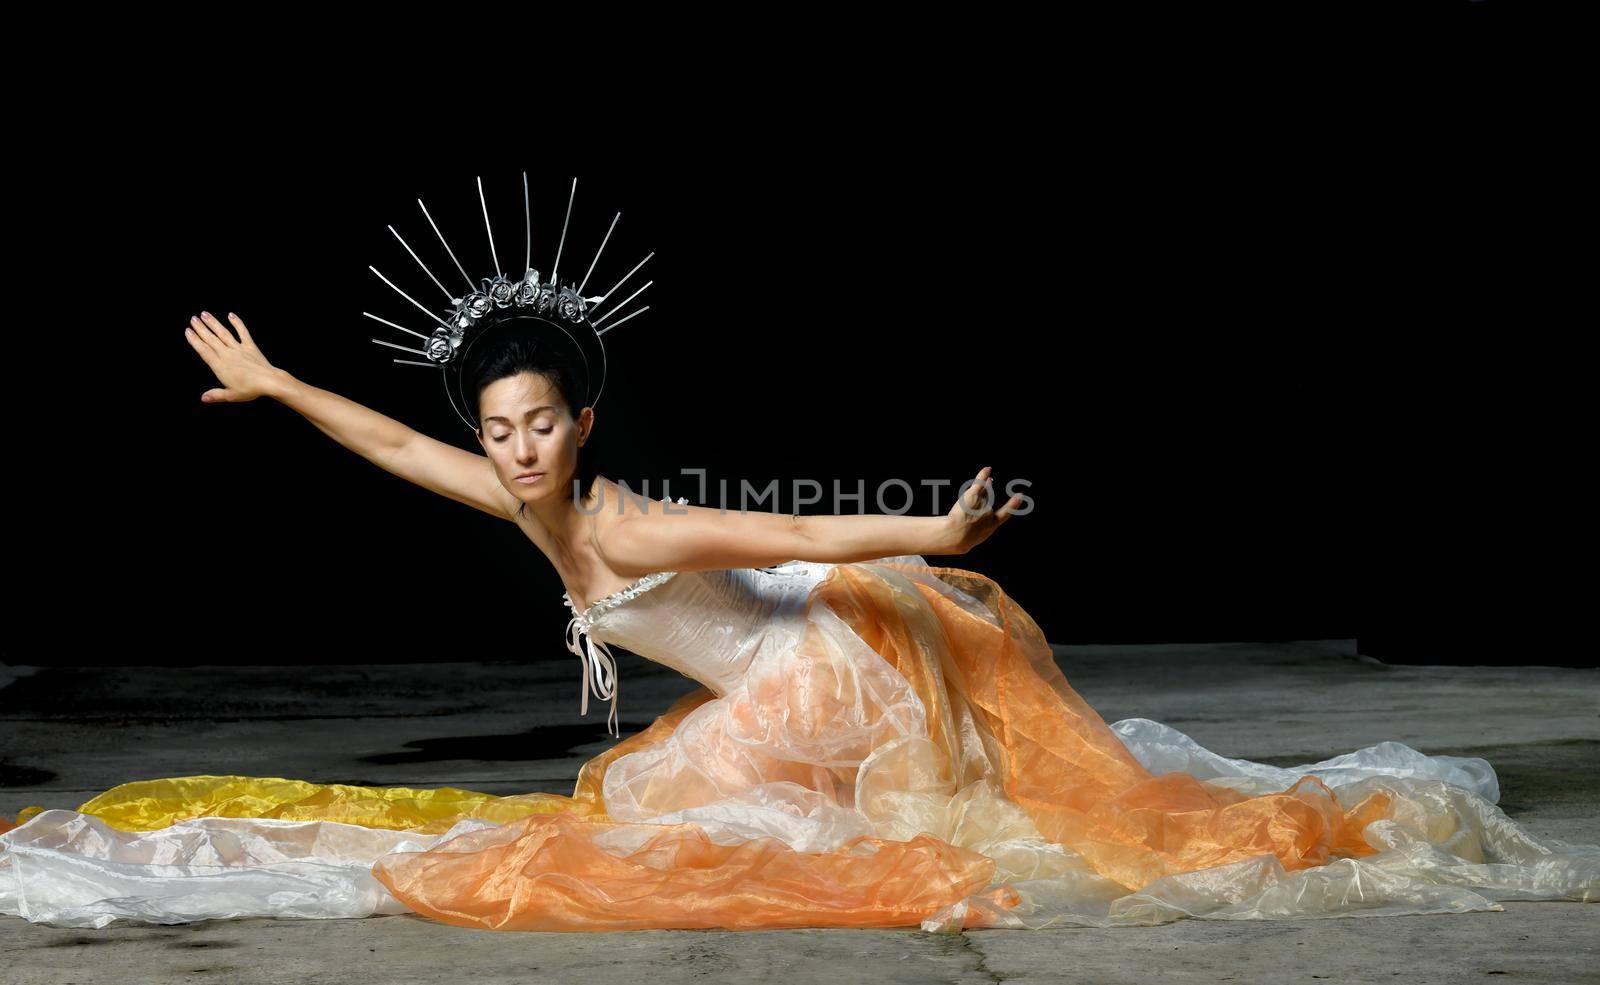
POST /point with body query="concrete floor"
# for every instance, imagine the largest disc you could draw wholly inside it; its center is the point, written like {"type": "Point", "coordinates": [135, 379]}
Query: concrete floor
{"type": "Point", "coordinates": [503, 728]}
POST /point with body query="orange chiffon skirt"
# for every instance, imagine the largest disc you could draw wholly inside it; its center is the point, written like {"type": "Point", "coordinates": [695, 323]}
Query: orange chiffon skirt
{"type": "Point", "coordinates": [916, 752]}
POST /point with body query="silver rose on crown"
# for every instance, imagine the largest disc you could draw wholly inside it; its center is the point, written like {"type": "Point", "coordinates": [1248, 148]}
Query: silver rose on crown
{"type": "Point", "coordinates": [500, 292]}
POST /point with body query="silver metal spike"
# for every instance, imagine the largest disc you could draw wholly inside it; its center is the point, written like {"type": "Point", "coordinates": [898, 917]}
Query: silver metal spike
{"type": "Point", "coordinates": [413, 362]}
{"type": "Point", "coordinates": [607, 295]}
{"type": "Point", "coordinates": [625, 318]}
{"type": "Point", "coordinates": [420, 263]}
{"type": "Point", "coordinates": [527, 221]}
{"type": "Point", "coordinates": [495, 256]}
{"type": "Point", "coordinates": [557, 265]}
{"type": "Point", "coordinates": [624, 304]}
{"type": "Point", "coordinates": [393, 325]}
{"type": "Point", "coordinates": [447, 249]}
{"type": "Point", "coordinates": [408, 297]}
{"type": "Point", "coordinates": [601, 250]}
{"type": "Point", "coordinates": [400, 347]}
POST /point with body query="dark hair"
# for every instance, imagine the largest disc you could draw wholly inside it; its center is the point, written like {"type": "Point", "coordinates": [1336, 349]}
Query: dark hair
{"type": "Point", "coordinates": [512, 353]}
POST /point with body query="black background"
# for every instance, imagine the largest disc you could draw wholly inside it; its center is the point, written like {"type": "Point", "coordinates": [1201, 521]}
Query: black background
{"type": "Point", "coordinates": [1196, 322]}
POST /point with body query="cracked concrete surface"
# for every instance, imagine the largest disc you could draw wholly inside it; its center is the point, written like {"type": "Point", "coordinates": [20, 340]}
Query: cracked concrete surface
{"type": "Point", "coordinates": [508, 727]}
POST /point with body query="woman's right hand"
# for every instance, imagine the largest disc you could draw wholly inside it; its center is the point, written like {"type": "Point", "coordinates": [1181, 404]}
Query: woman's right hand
{"type": "Point", "coordinates": [239, 366]}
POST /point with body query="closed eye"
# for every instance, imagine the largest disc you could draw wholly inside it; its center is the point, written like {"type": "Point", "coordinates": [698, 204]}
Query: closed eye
{"type": "Point", "coordinates": [539, 430]}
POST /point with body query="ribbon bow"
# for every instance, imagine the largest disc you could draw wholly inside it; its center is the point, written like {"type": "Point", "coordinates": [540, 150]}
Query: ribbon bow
{"type": "Point", "coordinates": [599, 670]}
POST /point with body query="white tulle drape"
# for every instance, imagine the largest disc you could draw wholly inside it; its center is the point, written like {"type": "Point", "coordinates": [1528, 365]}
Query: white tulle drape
{"type": "Point", "coordinates": [72, 870]}
{"type": "Point", "coordinates": [1444, 848]}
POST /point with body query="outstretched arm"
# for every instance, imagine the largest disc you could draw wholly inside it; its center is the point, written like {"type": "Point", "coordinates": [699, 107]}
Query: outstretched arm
{"type": "Point", "coordinates": [695, 538]}
{"type": "Point", "coordinates": [435, 465]}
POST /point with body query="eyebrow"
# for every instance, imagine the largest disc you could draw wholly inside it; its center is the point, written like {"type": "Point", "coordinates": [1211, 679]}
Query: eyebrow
{"type": "Point", "coordinates": [529, 414]}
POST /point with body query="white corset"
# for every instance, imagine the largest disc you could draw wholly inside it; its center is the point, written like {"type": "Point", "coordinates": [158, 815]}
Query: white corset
{"type": "Point", "coordinates": [707, 625]}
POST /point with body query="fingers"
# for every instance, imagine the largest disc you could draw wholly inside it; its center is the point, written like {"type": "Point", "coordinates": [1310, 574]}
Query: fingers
{"type": "Point", "coordinates": [217, 396]}
{"type": "Point", "coordinates": [974, 498]}
{"type": "Point", "coordinates": [220, 330]}
{"type": "Point", "coordinates": [244, 333]}
{"type": "Point", "coordinates": [201, 345]}
{"type": "Point", "coordinates": [205, 333]}
{"type": "Point", "coordinates": [980, 495]}
{"type": "Point", "coordinates": [1004, 513]}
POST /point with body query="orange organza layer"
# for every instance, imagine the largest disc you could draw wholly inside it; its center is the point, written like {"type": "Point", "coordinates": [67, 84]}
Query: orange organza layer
{"type": "Point", "coordinates": [1062, 763]}
{"type": "Point", "coordinates": [581, 871]}
{"type": "Point", "coordinates": [565, 872]}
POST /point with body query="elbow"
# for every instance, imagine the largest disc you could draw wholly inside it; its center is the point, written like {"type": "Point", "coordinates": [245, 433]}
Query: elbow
{"type": "Point", "coordinates": [801, 544]}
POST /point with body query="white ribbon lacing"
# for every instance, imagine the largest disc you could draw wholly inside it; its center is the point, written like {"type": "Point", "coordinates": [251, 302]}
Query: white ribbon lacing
{"type": "Point", "coordinates": [599, 670]}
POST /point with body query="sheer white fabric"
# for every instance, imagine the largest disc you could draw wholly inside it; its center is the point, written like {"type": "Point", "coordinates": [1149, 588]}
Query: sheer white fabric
{"type": "Point", "coordinates": [73, 870]}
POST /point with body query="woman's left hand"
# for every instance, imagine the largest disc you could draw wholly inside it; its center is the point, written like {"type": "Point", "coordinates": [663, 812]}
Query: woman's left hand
{"type": "Point", "coordinates": [971, 521]}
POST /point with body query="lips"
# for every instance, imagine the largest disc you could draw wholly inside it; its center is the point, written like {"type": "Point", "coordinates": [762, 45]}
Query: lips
{"type": "Point", "coordinates": [530, 478]}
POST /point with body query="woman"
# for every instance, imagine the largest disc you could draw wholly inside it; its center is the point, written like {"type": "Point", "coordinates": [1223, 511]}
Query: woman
{"type": "Point", "coordinates": [877, 742]}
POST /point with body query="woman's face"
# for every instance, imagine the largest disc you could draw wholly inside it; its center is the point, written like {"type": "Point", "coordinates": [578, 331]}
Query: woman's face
{"type": "Point", "coordinates": [525, 426]}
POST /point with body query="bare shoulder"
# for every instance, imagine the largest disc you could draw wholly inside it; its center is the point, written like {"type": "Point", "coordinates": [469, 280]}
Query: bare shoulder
{"type": "Point", "coordinates": [617, 513]}
{"type": "Point", "coordinates": [612, 505]}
